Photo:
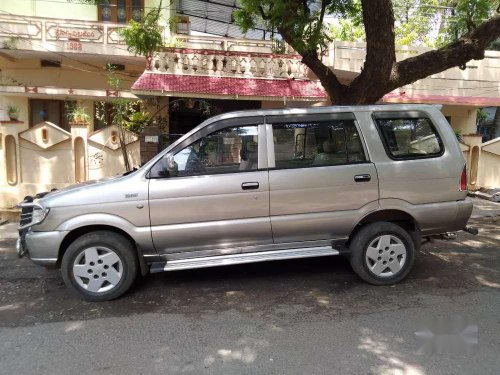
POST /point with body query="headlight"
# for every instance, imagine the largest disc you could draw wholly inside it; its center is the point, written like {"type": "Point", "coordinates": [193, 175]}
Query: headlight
{"type": "Point", "coordinates": [32, 214]}
{"type": "Point", "coordinates": [39, 214]}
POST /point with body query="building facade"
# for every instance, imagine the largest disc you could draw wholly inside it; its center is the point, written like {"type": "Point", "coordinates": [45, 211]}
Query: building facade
{"type": "Point", "coordinates": [52, 58]}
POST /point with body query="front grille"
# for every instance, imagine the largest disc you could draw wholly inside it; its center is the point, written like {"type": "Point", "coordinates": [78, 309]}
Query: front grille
{"type": "Point", "coordinates": [26, 212]}
{"type": "Point", "coordinates": [26, 216]}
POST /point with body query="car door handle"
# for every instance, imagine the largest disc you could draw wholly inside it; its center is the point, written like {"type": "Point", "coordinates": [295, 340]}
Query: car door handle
{"type": "Point", "coordinates": [249, 185]}
{"type": "Point", "coordinates": [362, 177]}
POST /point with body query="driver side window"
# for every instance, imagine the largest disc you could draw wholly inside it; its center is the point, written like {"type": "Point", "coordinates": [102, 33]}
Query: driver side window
{"type": "Point", "coordinates": [228, 150]}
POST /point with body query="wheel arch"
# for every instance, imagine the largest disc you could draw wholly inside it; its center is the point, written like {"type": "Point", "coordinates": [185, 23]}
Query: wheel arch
{"type": "Point", "coordinates": [391, 215]}
{"type": "Point", "coordinates": [80, 231]}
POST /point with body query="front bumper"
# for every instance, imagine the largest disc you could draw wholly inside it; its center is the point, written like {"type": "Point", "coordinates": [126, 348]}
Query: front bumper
{"type": "Point", "coordinates": [41, 247]}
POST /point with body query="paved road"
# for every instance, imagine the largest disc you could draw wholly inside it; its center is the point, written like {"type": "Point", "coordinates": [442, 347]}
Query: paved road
{"type": "Point", "coordinates": [294, 317]}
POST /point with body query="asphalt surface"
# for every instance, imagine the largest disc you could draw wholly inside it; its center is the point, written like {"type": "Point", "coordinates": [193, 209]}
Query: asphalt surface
{"type": "Point", "coordinates": [310, 316]}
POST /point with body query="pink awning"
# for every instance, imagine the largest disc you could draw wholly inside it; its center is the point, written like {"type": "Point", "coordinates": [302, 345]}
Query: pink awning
{"type": "Point", "coordinates": [274, 89]}
{"type": "Point", "coordinates": [227, 87]}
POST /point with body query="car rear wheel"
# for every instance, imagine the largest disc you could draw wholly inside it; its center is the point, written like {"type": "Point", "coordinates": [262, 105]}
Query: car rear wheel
{"type": "Point", "coordinates": [382, 253]}
{"type": "Point", "coordinates": [99, 266]}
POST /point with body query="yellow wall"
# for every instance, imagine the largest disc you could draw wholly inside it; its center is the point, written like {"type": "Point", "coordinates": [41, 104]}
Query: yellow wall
{"type": "Point", "coordinates": [67, 10]}
{"type": "Point", "coordinates": [489, 164]}
{"type": "Point", "coordinates": [73, 73]}
{"type": "Point", "coordinates": [463, 118]}
{"type": "Point", "coordinates": [51, 9]}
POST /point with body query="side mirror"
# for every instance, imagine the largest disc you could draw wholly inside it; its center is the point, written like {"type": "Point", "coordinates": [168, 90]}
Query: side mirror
{"type": "Point", "coordinates": [170, 161]}
{"type": "Point", "coordinates": [171, 165]}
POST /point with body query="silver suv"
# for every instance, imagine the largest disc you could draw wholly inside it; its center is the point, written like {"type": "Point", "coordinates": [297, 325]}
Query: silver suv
{"type": "Point", "coordinates": [254, 186]}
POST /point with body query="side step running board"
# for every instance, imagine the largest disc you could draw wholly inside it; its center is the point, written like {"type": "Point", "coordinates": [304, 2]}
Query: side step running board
{"type": "Point", "coordinates": [226, 260]}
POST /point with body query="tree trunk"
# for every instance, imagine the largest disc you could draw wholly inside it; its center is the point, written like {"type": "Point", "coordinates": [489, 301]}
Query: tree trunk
{"type": "Point", "coordinates": [381, 73]}
{"type": "Point", "coordinates": [123, 146]}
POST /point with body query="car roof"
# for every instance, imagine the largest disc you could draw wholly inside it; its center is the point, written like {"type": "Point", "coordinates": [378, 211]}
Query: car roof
{"type": "Point", "coordinates": [315, 110]}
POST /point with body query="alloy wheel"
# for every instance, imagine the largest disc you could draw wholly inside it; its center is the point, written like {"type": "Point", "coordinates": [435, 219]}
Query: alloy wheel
{"type": "Point", "coordinates": [386, 256]}
{"type": "Point", "coordinates": [98, 269]}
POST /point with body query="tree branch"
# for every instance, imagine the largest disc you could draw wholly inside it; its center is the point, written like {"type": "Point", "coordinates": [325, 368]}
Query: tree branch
{"type": "Point", "coordinates": [263, 14]}
{"type": "Point", "coordinates": [470, 47]}
{"type": "Point", "coordinates": [310, 58]}
{"type": "Point", "coordinates": [305, 7]}
{"type": "Point", "coordinates": [324, 4]}
{"type": "Point", "coordinates": [334, 88]}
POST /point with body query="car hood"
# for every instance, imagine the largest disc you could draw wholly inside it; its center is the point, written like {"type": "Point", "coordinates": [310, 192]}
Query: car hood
{"type": "Point", "coordinates": [112, 189]}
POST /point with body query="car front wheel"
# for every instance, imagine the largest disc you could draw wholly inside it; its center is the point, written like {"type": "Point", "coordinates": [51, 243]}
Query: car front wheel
{"type": "Point", "coordinates": [382, 253]}
{"type": "Point", "coordinates": [99, 266]}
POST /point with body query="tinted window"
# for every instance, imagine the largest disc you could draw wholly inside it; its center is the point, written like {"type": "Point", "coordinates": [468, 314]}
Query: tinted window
{"type": "Point", "coordinates": [316, 144]}
{"type": "Point", "coordinates": [410, 137]}
{"type": "Point", "coordinates": [229, 150]}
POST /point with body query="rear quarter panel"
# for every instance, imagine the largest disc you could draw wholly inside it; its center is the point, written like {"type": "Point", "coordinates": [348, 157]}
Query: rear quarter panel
{"type": "Point", "coordinates": [418, 181]}
{"type": "Point", "coordinates": [427, 189]}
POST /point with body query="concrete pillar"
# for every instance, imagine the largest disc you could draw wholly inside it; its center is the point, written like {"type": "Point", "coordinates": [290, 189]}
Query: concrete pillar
{"type": "Point", "coordinates": [79, 146]}
{"type": "Point", "coordinates": [474, 141]}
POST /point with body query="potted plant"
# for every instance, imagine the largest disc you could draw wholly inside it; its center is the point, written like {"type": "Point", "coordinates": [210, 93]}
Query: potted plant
{"type": "Point", "coordinates": [13, 112]}
{"type": "Point", "coordinates": [79, 115]}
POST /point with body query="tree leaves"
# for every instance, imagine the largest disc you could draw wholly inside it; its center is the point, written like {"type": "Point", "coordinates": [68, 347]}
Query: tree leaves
{"type": "Point", "coordinates": [145, 37]}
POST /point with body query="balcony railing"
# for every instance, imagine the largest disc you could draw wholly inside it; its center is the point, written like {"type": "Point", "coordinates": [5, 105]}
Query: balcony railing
{"type": "Point", "coordinates": [67, 35]}
{"type": "Point", "coordinates": [228, 64]}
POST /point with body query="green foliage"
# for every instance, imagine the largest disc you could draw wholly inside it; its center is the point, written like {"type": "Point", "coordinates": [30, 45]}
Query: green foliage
{"type": "Point", "coordinates": [464, 17]}
{"type": "Point", "coordinates": [12, 110]}
{"type": "Point", "coordinates": [481, 115]}
{"type": "Point", "coordinates": [138, 121]}
{"type": "Point", "coordinates": [348, 31]}
{"type": "Point", "coordinates": [144, 37]}
{"type": "Point", "coordinates": [77, 113]}
{"type": "Point", "coordinates": [414, 21]}
{"type": "Point", "coordinates": [304, 23]}
{"type": "Point", "coordinates": [122, 109]}
{"type": "Point", "coordinates": [417, 22]}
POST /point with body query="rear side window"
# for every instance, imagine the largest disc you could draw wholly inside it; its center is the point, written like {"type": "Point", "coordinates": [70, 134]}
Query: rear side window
{"type": "Point", "coordinates": [410, 138]}
{"type": "Point", "coordinates": [317, 144]}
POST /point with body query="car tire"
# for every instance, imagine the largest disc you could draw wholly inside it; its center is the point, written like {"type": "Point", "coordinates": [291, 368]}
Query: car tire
{"type": "Point", "coordinates": [382, 253]}
{"type": "Point", "coordinates": [100, 266]}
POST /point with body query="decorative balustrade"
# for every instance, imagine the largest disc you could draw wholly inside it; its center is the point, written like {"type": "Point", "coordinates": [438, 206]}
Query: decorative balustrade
{"type": "Point", "coordinates": [39, 33]}
{"type": "Point", "coordinates": [228, 64]}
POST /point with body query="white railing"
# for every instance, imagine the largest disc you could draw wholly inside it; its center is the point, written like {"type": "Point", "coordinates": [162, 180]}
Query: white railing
{"type": "Point", "coordinates": [228, 64]}
{"type": "Point", "coordinates": [51, 29]}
